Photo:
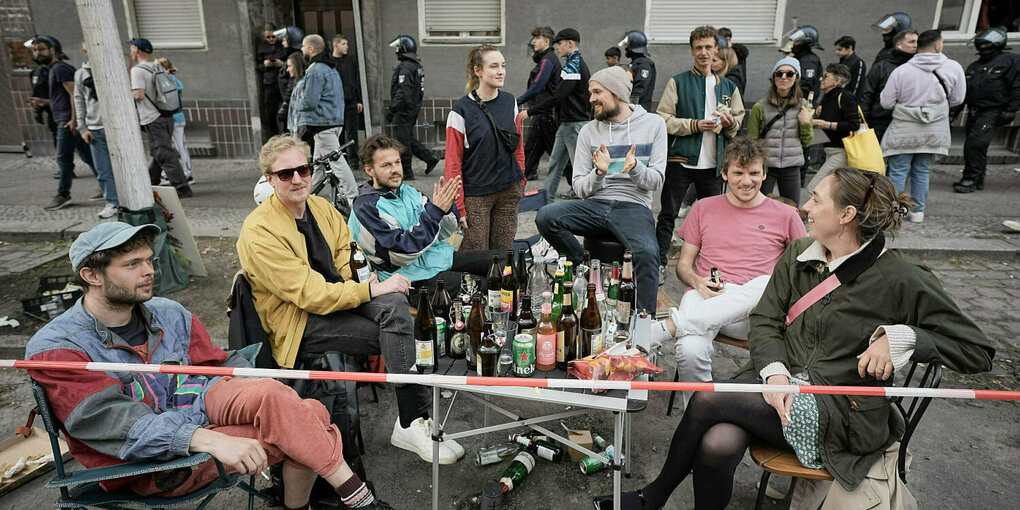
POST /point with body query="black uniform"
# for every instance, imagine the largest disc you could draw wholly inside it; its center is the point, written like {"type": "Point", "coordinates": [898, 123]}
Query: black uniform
{"type": "Point", "coordinates": [542, 131]}
{"type": "Point", "coordinates": [993, 98]}
{"type": "Point", "coordinates": [643, 70]}
{"type": "Point", "coordinates": [810, 70]}
{"type": "Point", "coordinates": [40, 81]}
{"type": "Point", "coordinates": [350, 79]}
{"type": "Point", "coordinates": [879, 118]}
{"type": "Point", "coordinates": [271, 95]}
{"type": "Point", "coordinates": [406, 92]}
{"type": "Point", "coordinates": [858, 70]}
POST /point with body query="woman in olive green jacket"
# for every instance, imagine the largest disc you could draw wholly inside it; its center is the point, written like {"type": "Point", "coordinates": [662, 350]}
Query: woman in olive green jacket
{"type": "Point", "coordinates": [889, 310]}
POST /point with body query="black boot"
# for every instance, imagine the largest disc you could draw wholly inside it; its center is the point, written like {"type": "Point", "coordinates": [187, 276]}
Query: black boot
{"type": "Point", "coordinates": [628, 501]}
{"type": "Point", "coordinates": [966, 186]}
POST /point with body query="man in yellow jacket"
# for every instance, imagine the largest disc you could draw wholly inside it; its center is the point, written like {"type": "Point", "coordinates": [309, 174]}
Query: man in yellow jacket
{"type": "Point", "coordinates": [295, 250]}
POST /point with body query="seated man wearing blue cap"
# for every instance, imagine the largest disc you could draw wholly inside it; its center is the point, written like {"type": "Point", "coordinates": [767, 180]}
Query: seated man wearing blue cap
{"type": "Point", "coordinates": [111, 418]}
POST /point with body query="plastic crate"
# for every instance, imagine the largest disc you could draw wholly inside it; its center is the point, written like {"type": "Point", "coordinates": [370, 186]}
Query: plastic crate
{"type": "Point", "coordinates": [49, 307]}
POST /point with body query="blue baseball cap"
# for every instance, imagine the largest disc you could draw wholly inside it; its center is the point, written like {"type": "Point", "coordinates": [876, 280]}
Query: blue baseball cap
{"type": "Point", "coordinates": [103, 237]}
{"type": "Point", "coordinates": [141, 44]}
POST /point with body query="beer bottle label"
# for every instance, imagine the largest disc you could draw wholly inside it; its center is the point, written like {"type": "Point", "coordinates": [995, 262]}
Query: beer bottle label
{"type": "Point", "coordinates": [623, 311]}
{"type": "Point", "coordinates": [458, 343]}
{"type": "Point", "coordinates": [441, 336]}
{"type": "Point", "coordinates": [560, 347]}
{"type": "Point", "coordinates": [506, 300]}
{"type": "Point", "coordinates": [596, 343]}
{"type": "Point", "coordinates": [364, 273]}
{"type": "Point", "coordinates": [423, 352]}
{"type": "Point", "coordinates": [544, 452]}
{"type": "Point", "coordinates": [494, 298]}
{"type": "Point", "coordinates": [546, 349]}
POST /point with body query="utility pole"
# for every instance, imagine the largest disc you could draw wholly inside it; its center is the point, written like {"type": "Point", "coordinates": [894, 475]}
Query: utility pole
{"type": "Point", "coordinates": [123, 133]}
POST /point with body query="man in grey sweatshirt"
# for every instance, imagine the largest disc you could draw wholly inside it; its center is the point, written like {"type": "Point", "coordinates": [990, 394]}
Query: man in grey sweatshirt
{"type": "Point", "coordinates": [619, 165]}
{"type": "Point", "coordinates": [91, 129]}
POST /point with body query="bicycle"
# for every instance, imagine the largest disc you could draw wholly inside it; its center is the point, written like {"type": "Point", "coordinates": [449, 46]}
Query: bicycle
{"type": "Point", "coordinates": [322, 163]}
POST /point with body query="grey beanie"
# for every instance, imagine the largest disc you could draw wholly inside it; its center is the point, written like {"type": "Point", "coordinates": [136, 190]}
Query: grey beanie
{"type": "Point", "coordinates": [616, 80]}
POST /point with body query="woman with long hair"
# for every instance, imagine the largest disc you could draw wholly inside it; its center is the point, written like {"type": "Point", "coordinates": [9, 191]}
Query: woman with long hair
{"type": "Point", "coordinates": [179, 121]}
{"type": "Point", "coordinates": [295, 67]}
{"type": "Point", "coordinates": [784, 124]}
{"type": "Point", "coordinates": [484, 149]}
{"type": "Point", "coordinates": [837, 116]}
{"type": "Point", "coordinates": [887, 311]}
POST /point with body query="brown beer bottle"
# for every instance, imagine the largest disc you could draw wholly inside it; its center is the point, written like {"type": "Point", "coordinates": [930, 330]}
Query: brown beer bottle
{"type": "Point", "coordinates": [566, 329]}
{"type": "Point", "coordinates": [591, 325]}
{"type": "Point", "coordinates": [426, 350]}
{"type": "Point", "coordinates": [475, 330]}
{"type": "Point", "coordinates": [360, 271]}
{"type": "Point", "coordinates": [625, 301]}
{"type": "Point", "coordinates": [509, 288]}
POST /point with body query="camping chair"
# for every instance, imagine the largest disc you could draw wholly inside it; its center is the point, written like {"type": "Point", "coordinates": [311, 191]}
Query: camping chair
{"type": "Point", "coordinates": [81, 489]}
{"type": "Point", "coordinates": [783, 462]}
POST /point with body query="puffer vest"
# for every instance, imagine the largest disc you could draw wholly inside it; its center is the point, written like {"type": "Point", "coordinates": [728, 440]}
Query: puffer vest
{"type": "Point", "coordinates": [783, 138]}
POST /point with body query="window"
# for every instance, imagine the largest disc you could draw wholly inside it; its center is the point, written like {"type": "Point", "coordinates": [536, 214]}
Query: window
{"type": "Point", "coordinates": [752, 21]}
{"type": "Point", "coordinates": [960, 20]}
{"type": "Point", "coordinates": [167, 25]}
{"type": "Point", "coordinates": [461, 22]}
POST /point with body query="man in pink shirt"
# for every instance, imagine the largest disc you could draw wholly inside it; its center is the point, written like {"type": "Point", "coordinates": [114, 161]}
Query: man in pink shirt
{"type": "Point", "coordinates": [742, 233]}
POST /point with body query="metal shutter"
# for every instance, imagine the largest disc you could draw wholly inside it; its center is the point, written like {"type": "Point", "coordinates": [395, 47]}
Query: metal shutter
{"type": "Point", "coordinates": [752, 21]}
{"type": "Point", "coordinates": [170, 25]}
{"type": "Point", "coordinates": [472, 20]}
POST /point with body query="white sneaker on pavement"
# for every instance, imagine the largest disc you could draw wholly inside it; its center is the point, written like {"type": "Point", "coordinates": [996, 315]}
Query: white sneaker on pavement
{"type": "Point", "coordinates": [418, 439]}
{"type": "Point", "coordinates": [1012, 225]}
{"type": "Point", "coordinates": [915, 217]}
{"type": "Point", "coordinates": [108, 211]}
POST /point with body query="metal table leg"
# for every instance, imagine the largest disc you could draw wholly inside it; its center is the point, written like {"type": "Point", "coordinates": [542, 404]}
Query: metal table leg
{"type": "Point", "coordinates": [618, 439]}
{"type": "Point", "coordinates": [625, 453]}
{"type": "Point", "coordinates": [435, 448]}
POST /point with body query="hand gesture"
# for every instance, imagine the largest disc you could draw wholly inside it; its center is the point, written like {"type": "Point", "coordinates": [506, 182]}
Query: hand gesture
{"type": "Point", "coordinates": [397, 283]}
{"type": "Point", "coordinates": [804, 116]}
{"type": "Point", "coordinates": [522, 116]}
{"type": "Point", "coordinates": [876, 360]}
{"type": "Point", "coordinates": [706, 125]}
{"type": "Point", "coordinates": [445, 192]}
{"type": "Point", "coordinates": [726, 118]}
{"type": "Point", "coordinates": [600, 158]}
{"type": "Point", "coordinates": [781, 402]}
{"type": "Point", "coordinates": [630, 161]}
{"type": "Point", "coordinates": [702, 284]}
{"type": "Point", "coordinates": [87, 136]}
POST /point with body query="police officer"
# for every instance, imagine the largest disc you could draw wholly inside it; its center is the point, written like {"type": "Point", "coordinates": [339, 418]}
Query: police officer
{"type": "Point", "coordinates": [406, 92]}
{"type": "Point", "coordinates": [635, 44]}
{"type": "Point", "coordinates": [40, 80]}
{"type": "Point", "coordinates": [804, 38]}
{"type": "Point", "coordinates": [890, 25]}
{"type": "Point", "coordinates": [993, 98]}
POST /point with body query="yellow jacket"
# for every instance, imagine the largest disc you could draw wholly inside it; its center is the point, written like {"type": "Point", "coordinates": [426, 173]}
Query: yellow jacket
{"type": "Point", "coordinates": [286, 289]}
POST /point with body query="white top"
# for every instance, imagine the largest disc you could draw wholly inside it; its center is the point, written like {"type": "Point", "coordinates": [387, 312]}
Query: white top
{"type": "Point", "coordinates": [141, 79]}
{"type": "Point", "coordinates": [706, 159]}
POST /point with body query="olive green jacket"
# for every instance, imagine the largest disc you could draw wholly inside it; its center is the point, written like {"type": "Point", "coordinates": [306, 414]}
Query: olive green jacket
{"type": "Point", "coordinates": [824, 342]}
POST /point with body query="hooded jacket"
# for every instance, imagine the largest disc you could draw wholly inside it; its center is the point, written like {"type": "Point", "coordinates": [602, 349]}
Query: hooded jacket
{"type": "Point", "coordinates": [920, 104]}
{"type": "Point", "coordinates": [642, 130]}
{"type": "Point", "coordinates": [403, 232]}
{"type": "Point", "coordinates": [878, 117]}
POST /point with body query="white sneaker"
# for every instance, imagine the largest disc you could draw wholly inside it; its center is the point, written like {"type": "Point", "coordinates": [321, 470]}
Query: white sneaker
{"type": "Point", "coordinates": [1012, 225]}
{"type": "Point", "coordinates": [418, 439]}
{"type": "Point", "coordinates": [915, 217]}
{"type": "Point", "coordinates": [455, 447]}
{"type": "Point", "coordinates": [108, 211]}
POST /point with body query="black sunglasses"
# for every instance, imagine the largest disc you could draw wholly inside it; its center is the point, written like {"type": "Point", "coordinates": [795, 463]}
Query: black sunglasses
{"type": "Point", "coordinates": [786, 74]}
{"type": "Point", "coordinates": [288, 173]}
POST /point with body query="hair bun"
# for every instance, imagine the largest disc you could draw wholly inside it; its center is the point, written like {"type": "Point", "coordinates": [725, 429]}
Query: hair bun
{"type": "Point", "coordinates": [900, 210]}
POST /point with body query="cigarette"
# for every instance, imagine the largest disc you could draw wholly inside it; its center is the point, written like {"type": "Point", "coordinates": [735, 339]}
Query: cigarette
{"type": "Point", "coordinates": [266, 476]}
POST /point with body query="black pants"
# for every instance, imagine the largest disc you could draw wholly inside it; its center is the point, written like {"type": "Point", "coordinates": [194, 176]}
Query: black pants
{"type": "Point", "coordinates": [403, 128]}
{"type": "Point", "coordinates": [472, 262]}
{"type": "Point", "coordinates": [788, 179]}
{"type": "Point", "coordinates": [164, 154]}
{"type": "Point", "coordinates": [678, 179]}
{"type": "Point", "coordinates": [980, 129]}
{"type": "Point", "coordinates": [270, 106]}
{"type": "Point", "coordinates": [380, 326]}
{"type": "Point", "coordinates": [539, 141]}
{"type": "Point", "coordinates": [350, 132]}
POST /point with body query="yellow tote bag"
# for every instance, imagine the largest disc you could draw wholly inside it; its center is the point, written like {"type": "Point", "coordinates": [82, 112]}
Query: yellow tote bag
{"type": "Point", "coordinates": [863, 149]}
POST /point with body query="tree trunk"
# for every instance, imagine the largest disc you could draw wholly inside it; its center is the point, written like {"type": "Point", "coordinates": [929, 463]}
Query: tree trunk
{"type": "Point", "coordinates": [123, 134]}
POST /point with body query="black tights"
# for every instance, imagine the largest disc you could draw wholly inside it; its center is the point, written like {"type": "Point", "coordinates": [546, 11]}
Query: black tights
{"type": "Point", "coordinates": [710, 440]}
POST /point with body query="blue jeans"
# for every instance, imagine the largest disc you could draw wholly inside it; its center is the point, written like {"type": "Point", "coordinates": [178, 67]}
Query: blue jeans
{"type": "Point", "coordinates": [631, 223]}
{"type": "Point", "coordinates": [101, 163]}
{"type": "Point", "coordinates": [67, 144]}
{"type": "Point", "coordinates": [916, 166]}
{"type": "Point", "coordinates": [564, 146]}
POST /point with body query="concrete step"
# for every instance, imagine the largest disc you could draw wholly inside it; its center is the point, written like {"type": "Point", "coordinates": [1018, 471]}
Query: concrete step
{"type": "Point", "coordinates": [996, 156]}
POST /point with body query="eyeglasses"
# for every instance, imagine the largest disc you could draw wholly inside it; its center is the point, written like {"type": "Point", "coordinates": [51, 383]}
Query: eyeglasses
{"type": "Point", "coordinates": [288, 173]}
{"type": "Point", "coordinates": [784, 74]}
{"type": "Point", "coordinates": [871, 187]}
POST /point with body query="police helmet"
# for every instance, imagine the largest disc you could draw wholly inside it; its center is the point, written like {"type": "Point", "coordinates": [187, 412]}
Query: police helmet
{"type": "Point", "coordinates": [263, 190]}
{"type": "Point", "coordinates": [897, 21]}
{"type": "Point", "coordinates": [635, 41]}
{"type": "Point", "coordinates": [994, 36]}
{"type": "Point", "coordinates": [805, 33]}
{"type": "Point", "coordinates": [293, 35]}
{"type": "Point", "coordinates": [405, 46]}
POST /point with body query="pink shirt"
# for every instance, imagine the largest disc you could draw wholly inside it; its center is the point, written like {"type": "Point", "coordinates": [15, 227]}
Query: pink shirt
{"type": "Point", "coordinates": [742, 243]}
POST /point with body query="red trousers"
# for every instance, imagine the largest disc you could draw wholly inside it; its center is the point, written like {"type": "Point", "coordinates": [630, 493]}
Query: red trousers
{"type": "Point", "coordinates": [288, 428]}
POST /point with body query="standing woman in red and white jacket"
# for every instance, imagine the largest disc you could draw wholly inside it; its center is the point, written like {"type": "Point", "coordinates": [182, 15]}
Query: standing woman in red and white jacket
{"type": "Point", "coordinates": [484, 148]}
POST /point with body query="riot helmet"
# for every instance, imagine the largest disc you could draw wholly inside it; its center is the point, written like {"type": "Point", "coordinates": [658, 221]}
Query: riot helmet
{"type": "Point", "coordinates": [634, 41]}
{"type": "Point", "coordinates": [990, 41]}
{"type": "Point", "coordinates": [293, 35]}
{"type": "Point", "coordinates": [805, 33]}
{"type": "Point", "coordinates": [405, 46]}
{"type": "Point", "coordinates": [897, 21]}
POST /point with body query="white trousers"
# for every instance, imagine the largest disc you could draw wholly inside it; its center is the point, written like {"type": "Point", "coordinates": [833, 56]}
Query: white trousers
{"type": "Point", "coordinates": [699, 320]}
{"type": "Point", "coordinates": [325, 142]}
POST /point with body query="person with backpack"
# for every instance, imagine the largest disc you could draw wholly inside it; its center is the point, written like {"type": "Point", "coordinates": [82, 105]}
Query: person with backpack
{"type": "Point", "coordinates": [156, 98]}
{"type": "Point", "coordinates": [782, 121]}
{"type": "Point", "coordinates": [93, 132]}
{"type": "Point", "coordinates": [179, 121]}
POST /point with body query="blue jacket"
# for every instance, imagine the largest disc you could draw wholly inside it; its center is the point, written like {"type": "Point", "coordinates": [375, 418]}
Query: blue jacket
{"type": "Point", "coordinates": [115, 416]}
{"type": "Point", "coordinates": [318, 99]}
{"type": "Point", "coordinates": [179, 114]}
{"type": "Point", "coordinates": [403, 233]}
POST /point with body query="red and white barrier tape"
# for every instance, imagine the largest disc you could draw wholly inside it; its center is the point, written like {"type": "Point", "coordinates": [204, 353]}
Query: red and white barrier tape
{"type": "Point", "coordinates": [433, 379]}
